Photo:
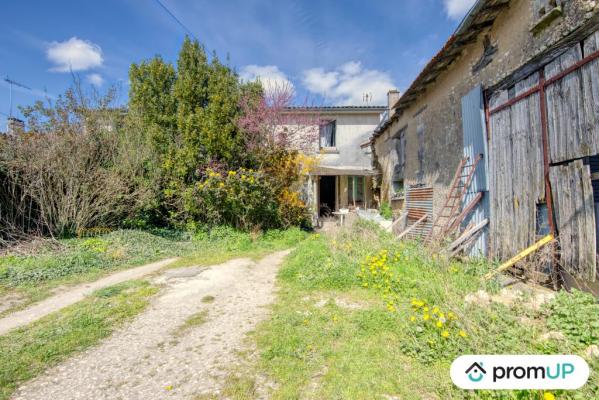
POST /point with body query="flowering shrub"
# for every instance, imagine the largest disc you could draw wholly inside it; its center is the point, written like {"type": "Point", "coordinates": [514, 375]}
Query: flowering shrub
{"type": "Point", "coordinates": [244, 199]}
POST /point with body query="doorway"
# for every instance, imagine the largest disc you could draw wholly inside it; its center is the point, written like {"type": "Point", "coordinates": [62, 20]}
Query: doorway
{"type": "Point", "coordinates": [327, 196]}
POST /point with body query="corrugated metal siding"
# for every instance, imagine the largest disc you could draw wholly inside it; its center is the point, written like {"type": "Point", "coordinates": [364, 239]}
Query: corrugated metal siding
{"type": "Point", "coordinates": [419, 202]}
{"type": "Point", "coordinates": [475, 143]}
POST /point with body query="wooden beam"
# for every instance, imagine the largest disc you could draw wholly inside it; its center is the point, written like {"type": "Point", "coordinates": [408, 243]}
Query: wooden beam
{"type": "Point", "coordinates": [404, 233]}
{"type": "Point", "coordinates": [468, 234]}
{"type": "Point", "coordinates": [401, 217]}
{"type": "Point", "coordinates": [520, 256]}
{"type": "Point", "coordinates": [465, 212]}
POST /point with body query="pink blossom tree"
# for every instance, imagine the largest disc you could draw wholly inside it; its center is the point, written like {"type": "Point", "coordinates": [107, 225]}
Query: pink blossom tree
{"type": "Point", "coordinates": [272, 121]}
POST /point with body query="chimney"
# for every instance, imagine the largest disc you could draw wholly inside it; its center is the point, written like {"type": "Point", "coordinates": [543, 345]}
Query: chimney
{"type": "Point", "coordinates": [15, 126]}
{"type": "Point", "coordinates": [392, 97]}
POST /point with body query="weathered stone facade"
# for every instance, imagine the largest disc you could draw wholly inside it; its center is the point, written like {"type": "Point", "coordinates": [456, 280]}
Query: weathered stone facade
{"type": "Point", "coordinates": [438, 109]}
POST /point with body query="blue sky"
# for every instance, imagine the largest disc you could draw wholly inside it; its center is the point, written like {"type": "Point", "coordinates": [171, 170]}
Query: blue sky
{"type": "Point", "coordinates": [332, 52]}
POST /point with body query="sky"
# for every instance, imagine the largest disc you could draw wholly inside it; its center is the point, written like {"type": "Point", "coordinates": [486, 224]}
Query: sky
{"type": "Point", "coordinates": [342, 52]}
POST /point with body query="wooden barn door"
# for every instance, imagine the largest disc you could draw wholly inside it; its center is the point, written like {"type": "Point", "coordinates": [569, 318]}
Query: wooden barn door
{"type": "Point", "coordinates": [543, 132]}
{"type": "Point", "coordinates": [575, 216]}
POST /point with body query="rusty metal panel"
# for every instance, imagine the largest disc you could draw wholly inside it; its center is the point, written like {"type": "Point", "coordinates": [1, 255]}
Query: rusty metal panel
{"type": "Point", "coordinates": [419, 202]}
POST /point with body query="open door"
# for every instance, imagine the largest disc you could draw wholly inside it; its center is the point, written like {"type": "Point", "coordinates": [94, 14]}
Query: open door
{"type": "Point", "coordinates": [328, 195]}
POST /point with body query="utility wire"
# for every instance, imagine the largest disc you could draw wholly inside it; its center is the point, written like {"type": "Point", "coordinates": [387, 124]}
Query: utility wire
{"type": "Point", "coordinates": [181, 24]}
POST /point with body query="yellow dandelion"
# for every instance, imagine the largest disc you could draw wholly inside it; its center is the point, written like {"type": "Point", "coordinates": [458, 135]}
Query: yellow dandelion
{"type": "Point", "coordinates": [462, 334]}
{"type": "Point", "coordinates": [412, 318]}
{"type": "Point", "coordinates": [426, 317]}
{"type": "Point", "coordinates": [169, 387]}
{"type": "Point", "coordinates": [439, 324]}
{"type": "Point", "coordinates": [445, 334]}
{"type": "Point", "coordinates": [548, 396]}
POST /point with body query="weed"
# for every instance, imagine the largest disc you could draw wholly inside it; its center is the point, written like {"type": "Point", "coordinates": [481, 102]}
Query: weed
{"type": "Point", "coordinates": [193, 321]}
{"type": "Point", "coordinates": [575, 314]}
{"type": "Point", "coordinates": [386, 211]}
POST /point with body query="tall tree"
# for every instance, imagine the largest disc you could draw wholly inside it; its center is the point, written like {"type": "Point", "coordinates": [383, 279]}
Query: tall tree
{"type": "Point", "coordinates": [220, 135]}
{"type": "Point", "coordinates": [151, 100]}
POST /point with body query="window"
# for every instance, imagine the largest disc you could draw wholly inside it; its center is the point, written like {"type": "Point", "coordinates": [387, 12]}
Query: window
{"type": "Point", "coordinates": [355, 189]}
{"type": "Point", "coordinates": [398, 169]}
{"type": "Point", "coordinates": [544, 7]}
{"type": "Point", "coordinates": [398, 187]}
{"type": "Point", "coordinates": [545, 12]}
{"type": "Point", "coordinates": [327, 134]}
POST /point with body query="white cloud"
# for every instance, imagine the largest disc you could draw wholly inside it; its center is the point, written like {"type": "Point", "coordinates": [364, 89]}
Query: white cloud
{"type": "Point", "coordinates": [317, 80]}
{"type": "Point", "coordinates": [74, 55]}
{"type": "Point", "coordinates": [456, 9]}
{"type": "Point", "coordinates": [95, 79]}
{"type": "Point", "coordinates": [347, 84]}
{"type": "Point", "coordinates": [351, 68]}
{"type": "Point", "coordinates": [270, 76]}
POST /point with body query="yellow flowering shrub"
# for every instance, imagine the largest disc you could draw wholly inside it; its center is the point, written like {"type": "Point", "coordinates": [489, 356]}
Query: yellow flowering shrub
{"type": "Point", "coordinates": [244, 199]}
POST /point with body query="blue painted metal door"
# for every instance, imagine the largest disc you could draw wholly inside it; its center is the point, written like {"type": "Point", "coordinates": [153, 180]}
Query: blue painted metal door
{"type": "Point", "coordinates": [475, 143]}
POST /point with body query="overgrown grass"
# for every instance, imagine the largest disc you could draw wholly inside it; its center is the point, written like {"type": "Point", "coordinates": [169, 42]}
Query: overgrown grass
{"type": "Point", "coordinates": [391, 343]}
{"type": "Point", "coordinates": [27, 352]}
{"type": "Point", "coordinates": [34, 277]}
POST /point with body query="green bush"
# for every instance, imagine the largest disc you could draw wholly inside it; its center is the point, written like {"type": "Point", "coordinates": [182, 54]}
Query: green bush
{"type": "Point", "coordinates": [386, 211]}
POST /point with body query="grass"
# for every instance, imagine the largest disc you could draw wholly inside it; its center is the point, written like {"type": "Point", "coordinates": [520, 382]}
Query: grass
{"type": "Point", "coordinates": [208, 299]}
{"type": "Point", "coordinates": [27, 352]}
{"type": "Point", "coordinates": [384, 347]}
{"type": "Point", "coordinates": [35, 277]}
{"type": "Point", "coordinates": [193, 321]}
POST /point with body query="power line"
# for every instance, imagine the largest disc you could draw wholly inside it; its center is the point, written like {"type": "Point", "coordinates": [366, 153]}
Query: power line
{"type": "Point", "coordinates": [176, 19]}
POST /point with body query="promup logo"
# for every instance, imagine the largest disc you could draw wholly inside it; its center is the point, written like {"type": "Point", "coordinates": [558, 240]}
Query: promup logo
{"type": "Point", "coordinates": [476, 372]}
{"type": "Point", "coordinates": [519, 372]}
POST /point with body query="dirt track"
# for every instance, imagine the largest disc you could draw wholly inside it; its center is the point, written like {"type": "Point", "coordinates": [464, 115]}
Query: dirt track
{"type": "Point", "coordinates": [152, 358]}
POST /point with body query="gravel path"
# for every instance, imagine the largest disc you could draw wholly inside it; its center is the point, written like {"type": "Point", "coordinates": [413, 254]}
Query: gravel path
{"type": "Point", "coordinates": [75, 294]}
{"type": "Point", "coordinates": [152, 357]}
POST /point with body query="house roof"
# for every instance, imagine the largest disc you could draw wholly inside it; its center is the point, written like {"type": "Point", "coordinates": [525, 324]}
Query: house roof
{"type": "Point", "coordinates": [377, 109]}
{"type": "Point", "coordinates": [482, 16]}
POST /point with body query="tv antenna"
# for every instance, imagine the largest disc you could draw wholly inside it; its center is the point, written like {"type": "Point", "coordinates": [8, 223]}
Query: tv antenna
{"type": "Point", "coordinates": [11, 84]}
